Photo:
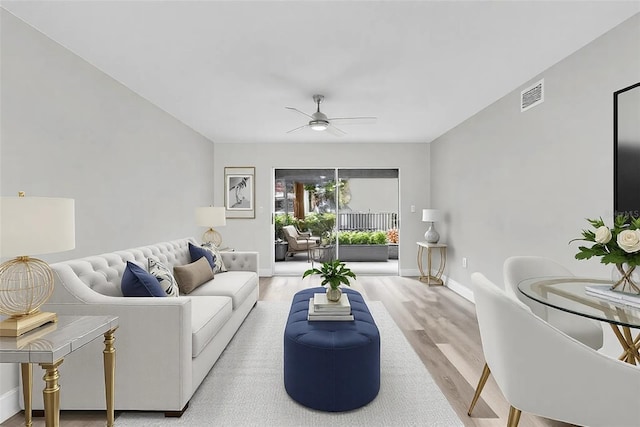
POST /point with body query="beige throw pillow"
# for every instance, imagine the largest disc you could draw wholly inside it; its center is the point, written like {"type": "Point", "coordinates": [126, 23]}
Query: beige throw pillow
{"type": "Point", "coordinates": [190, 276]}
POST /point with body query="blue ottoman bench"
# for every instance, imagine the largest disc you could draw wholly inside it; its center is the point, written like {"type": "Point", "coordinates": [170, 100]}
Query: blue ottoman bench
{"type": "Point", "coordinates": [331, 366]}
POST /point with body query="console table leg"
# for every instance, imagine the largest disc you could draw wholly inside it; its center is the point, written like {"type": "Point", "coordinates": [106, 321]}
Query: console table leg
{"type": "Point", "coordinates": [420, 252]}
{"type": "Point", "coordinates": [109, 355]}
{"type": "Point", "coordinates": [429, 277]}
{"type": "Point", "coordinates": [51, 394]}
{"type": "Point", "coordinates": [27, 385]}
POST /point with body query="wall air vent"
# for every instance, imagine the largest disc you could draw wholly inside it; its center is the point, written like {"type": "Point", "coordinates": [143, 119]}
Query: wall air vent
{"type": "Point", "coordinates": [532, 96]}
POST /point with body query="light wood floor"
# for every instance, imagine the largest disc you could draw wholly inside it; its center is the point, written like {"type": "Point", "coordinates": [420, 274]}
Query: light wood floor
{"type": "Point", "coordinates": [441, 327]}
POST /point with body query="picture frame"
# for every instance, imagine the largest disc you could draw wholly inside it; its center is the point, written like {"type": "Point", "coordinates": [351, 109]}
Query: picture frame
{"type": "Point", "coordinates": [239, 192]}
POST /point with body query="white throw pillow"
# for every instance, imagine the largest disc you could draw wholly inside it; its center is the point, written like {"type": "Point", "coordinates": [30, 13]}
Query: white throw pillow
{"type": "Point", "coordinates": [164, 276]}
{"type": "Point", "coordinates": [219, 266]}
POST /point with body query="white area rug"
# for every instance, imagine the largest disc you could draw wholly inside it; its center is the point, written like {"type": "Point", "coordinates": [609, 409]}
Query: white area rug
{"type": "Point", "coordinates": [246, 385]}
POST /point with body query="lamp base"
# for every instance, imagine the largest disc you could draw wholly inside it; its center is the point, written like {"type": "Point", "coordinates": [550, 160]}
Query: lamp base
{"type": "Point", "coordinates": [213, 237]}
{"type": "Point", "coordinates": [431, 236]}
{"type": "Point", "coordinates": [18, 325]}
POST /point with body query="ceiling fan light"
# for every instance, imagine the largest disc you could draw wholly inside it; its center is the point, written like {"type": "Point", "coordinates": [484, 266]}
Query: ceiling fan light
{"type": "Point", "coordinates": [318, 125]}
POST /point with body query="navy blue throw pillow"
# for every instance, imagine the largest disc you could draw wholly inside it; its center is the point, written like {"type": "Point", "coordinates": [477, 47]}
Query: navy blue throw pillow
{"type": "Point", "coordinates": [137, 282]}
{"type": "Point", "coordinates": [197, 252]}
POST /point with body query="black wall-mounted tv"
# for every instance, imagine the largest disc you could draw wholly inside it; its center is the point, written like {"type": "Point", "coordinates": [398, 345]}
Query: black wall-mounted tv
{"type": "Point", "coordinates": [626, 155]}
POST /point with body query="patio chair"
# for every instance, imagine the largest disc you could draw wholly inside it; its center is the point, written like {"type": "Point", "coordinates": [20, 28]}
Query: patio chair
{"type": "Point", "coordinates": [298, 242]}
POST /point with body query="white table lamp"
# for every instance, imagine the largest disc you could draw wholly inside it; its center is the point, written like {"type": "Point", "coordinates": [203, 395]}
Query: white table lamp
{"type": "Point", "coordinates": [30, 226]}
{"type": "Point", "coordinates": [210, 216]}
{"type": "Point", "coordinates": [431, 216]}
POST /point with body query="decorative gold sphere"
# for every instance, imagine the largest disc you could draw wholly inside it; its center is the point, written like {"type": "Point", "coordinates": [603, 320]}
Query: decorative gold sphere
{"type": "Point", "coordinates": [212, 236]}
{"type": "Point", "coordinates": [25, 284]}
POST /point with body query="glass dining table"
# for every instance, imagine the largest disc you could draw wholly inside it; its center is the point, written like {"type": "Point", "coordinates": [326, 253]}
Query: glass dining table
{"type": "Point", "coordinates": [569, 294]}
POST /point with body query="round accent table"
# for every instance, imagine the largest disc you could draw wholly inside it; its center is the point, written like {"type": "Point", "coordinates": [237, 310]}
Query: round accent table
{"type": "Point", "coordinates": [331, 366]}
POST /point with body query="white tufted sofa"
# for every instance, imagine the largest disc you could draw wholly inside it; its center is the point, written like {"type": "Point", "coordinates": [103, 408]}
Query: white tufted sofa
{"type": "Point", "coordinates": [164, 346]}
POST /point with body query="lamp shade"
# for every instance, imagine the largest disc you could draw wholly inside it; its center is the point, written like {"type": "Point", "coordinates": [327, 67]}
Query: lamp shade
{"type": "Point", "coordinates": [210, 216]}
{"type": "Point", "coordinates": [36, 225]}
{"type": "Point", "coordinates": [431, 215]}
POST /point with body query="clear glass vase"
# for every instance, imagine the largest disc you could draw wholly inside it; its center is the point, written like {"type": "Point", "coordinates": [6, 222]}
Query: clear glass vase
{"type": "Point", "coordinates": [626, 279]}
{"type": "Point", "coordinates": [333, 294]}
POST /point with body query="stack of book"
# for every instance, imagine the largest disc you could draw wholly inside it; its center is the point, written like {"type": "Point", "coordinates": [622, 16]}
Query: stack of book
{"type": "Point", "coordinates": [605, 292]}
{"type": "Point", "coordinates": [324, 310]}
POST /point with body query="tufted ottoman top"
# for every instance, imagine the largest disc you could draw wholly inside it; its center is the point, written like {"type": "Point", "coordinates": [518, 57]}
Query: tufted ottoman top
{"type": "Point", "coordinates": [330, 334]}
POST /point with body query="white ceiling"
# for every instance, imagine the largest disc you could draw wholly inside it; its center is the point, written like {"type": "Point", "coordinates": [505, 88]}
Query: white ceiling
{"type": "Point", "coordinates": [228, 69]}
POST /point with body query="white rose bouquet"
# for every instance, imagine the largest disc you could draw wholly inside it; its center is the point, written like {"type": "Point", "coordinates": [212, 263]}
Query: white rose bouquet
{"type": "Point", "coordinates": [619, 245]}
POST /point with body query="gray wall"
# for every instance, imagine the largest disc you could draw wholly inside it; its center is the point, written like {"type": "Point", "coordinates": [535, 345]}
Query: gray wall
{"type": "Point", "coordinates": [68, 130]}
{"type": "Point", "coordinates": [412, 160]}
{"type": "Point", "coordinates": [515, 183]}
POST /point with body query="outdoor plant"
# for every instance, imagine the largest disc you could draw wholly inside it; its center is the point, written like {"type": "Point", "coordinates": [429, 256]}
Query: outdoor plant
{"type": "Point", "coordinates": [362, 238]}
{"type": "Point", "coordinates": [333, 273]}
{"type": "Point", "coordinates": [378, 238]}
{"type": "Point", "coordinates": [344, 238]}
{"type": "Point", "coordinates": [392, 235]}
{"type": "Point", "coordinates": [318, 224]}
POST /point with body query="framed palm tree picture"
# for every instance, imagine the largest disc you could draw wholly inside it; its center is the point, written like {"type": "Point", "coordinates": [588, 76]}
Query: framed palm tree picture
{"type": "Point", "coordinates": [239, 192]}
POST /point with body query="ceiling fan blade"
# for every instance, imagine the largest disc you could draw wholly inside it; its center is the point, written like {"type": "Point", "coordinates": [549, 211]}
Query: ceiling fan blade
{"type": "Point", "coordinates": [298, 111]}
{"type": "Point", "coordinates": [354, 120]}
{"type": "Point", "coordinates": [297, 129]}
{"type": "Point", "coordinates": [334, 130]}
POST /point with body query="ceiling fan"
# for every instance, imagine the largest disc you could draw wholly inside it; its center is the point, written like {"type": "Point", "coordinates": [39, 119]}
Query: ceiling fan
{"type": "Point", "coordinates": [320, 122]}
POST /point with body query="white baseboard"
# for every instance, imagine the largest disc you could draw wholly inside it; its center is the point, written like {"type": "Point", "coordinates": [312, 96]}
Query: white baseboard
{"type": "Point", "coordinates": [265, 272]}
{"type": "Point", "coordinates": [456, 287]}
{"type": "Point", "coordinates": [409, 272]}
{"type": "Point", "coordinates": [459, 289]}
{"type": "Point", "coordinates": [9, 404]}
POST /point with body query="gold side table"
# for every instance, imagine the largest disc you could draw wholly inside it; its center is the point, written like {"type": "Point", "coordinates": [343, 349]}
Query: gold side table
{"type": "Point", "coordinates": [47, 346]}
{"type": "Point", "coordinates": [435, 279]}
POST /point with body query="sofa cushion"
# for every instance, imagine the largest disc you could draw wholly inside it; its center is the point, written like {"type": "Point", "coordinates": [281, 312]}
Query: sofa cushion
{"type": "Point", "coordinates": [208, 316]}
{"type": "Point", "coordinates": [219, 266]}
{"type": "Point", "coordinates": [164, 276]}
{"type": "Point", "coordinates": [136, 282]}
{"type": "Point", "coordinates": [235, 284]}
{"type": "Point", "coordinates": [190, 276]}
{"type": "Point", "coordinates": [197, 252]}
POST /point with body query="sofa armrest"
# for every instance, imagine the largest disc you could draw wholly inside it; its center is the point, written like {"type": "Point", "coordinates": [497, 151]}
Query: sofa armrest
{"type": "Point", "coordinates": [241, 261]}
{"type": "Point", "coordinates": [153, 348]}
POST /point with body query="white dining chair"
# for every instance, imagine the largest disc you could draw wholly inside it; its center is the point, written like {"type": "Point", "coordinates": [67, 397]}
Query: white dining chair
{"type": "Point", "coordinates": [518, 268]}
{"type": "Point", "coordinates": [543, 371]}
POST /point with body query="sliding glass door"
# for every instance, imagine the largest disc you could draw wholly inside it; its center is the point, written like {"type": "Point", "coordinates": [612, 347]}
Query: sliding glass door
{"type": "Point", "coordinates": [351, 214]}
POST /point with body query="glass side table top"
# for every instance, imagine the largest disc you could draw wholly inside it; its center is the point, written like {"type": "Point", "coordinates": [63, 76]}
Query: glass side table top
{"type": "Point", "coordinates": [568, 294]}
{"type": "Point", "coordinates": [54, 341]}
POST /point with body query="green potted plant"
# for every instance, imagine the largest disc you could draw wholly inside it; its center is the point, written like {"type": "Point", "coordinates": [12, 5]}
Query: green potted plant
{"type": "Point", "coordinates": [334, 273]}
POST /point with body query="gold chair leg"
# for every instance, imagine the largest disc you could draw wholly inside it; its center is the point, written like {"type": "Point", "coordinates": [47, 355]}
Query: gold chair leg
{"type": "Point", "coordinates": [483, 379]}
{"type": "Point", "coordinates": [514, 417]}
